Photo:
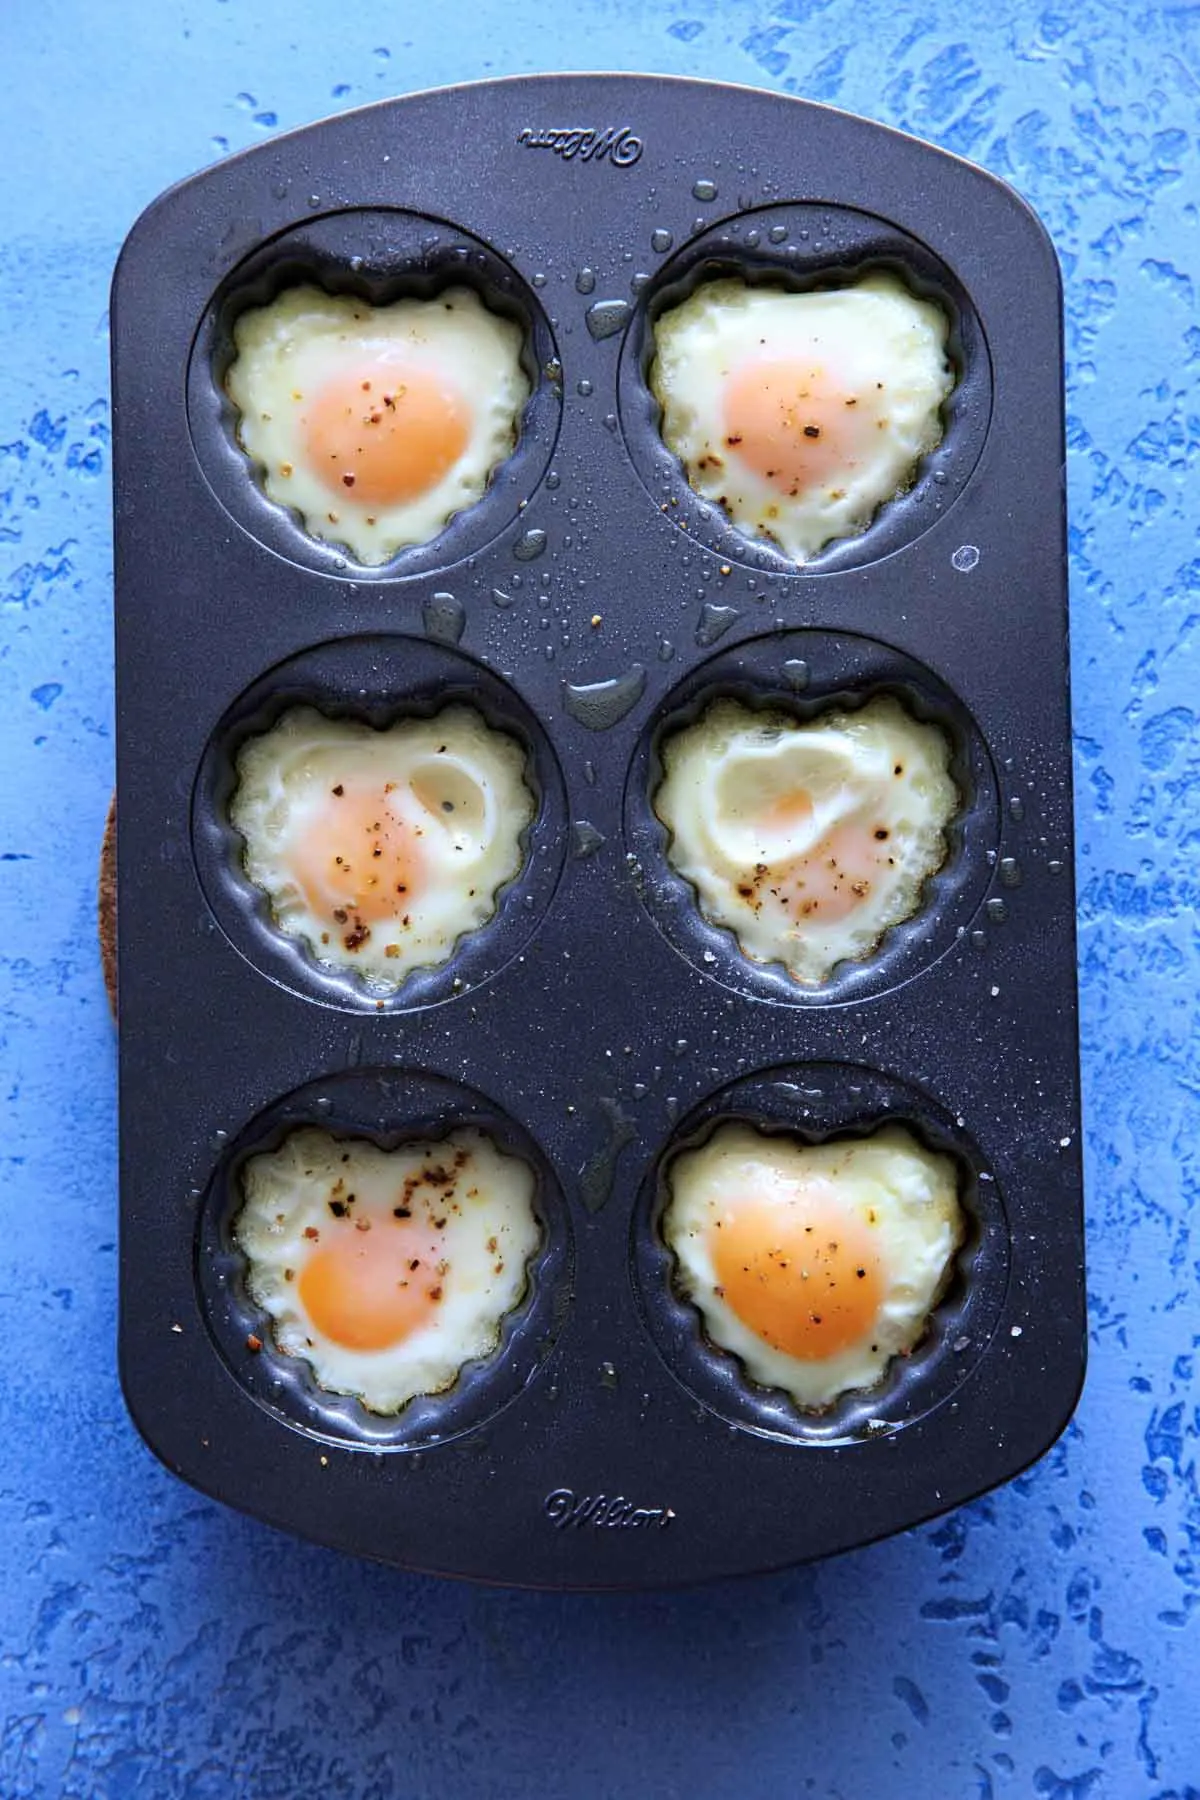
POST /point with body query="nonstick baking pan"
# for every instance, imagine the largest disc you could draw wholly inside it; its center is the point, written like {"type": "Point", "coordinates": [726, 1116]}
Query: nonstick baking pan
{"type": "Point", "coordinates": [587, 604]}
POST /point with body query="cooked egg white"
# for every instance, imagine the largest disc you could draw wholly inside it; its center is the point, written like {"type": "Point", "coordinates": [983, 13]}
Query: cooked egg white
{"type": "Point", "coordinates": [376, 423]}
{"type": "Point", "coordinates": [807, 841]}
{"type": "Point", "coordinates": [814, 1264]}
{"type": "Point", "coordinates": [800, 414]}
{"type": "Point", "coordinates": [387, 1270]}
{"type": "Point", "coordinates": [380, 849]}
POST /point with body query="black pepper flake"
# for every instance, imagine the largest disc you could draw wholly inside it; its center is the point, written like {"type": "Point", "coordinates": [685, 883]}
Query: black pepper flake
{"type": "Point", "coordinates": [881, 834]}
{"type": "Point", "coordinates": [812, 431]}
{"type": "Point", "coordinates": [339, 790]}
{"type": "Point", "coordinates": [347, 480]}
{"type": "Point", "coordinates": [435, 1293]}
{"type": "Point", "coordinates": [340, 914]}
{"type": "Point", "coordinates": [415, 1263]}
{"type": "Point", "coordinates": [338, 1208]}
{"type": "Point", "coordinates": [358, 935]}
{"type": "Point", "coordinates": [402, 1212]}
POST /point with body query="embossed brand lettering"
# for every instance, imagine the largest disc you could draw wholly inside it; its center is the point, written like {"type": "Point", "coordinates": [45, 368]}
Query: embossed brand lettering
{"type": "Point", "coordinates": [618, 143]}
{"type": "Point", "coordinates": [567, 1511]}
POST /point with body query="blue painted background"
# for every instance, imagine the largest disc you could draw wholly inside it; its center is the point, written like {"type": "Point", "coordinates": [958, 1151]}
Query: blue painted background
{"type": "Point", "coordinates": [1044, 1641]}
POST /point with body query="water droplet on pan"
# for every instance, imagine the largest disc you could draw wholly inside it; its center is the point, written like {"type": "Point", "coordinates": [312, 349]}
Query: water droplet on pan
{"type": "Point", "coordinates": [1016, 807]}
{"type": "Point", "coordinates": [607, 317]}
{"type": "Point", "coordinates": [661, 241]}
{"type": "Point", "coordinates": [777, 233]}
{"type": "Point", "coordinates": [795, 673]}
{"type": "Point", "coordinates": [583, 388]}
{"type": "Point", "coordinates": [503, 599]}
{"type": "Point", "coordinates": [1010, 871]}
{"type": "Point", "coordinates": [608, 1375]}
{"type": "Point", "coordinates": [965, 558]}
{"type": "Point", "coordinates": [585, 839]}
{"type": "Point", "coordinates": [530, 546]}
{"type": "Point", "coordinates": [704, 190]}
{"type": "Point", "coordinates": [585, 281]}
{"type": "Point", "coordinates": [597, 1176]}
{"type": "Point", "coordinates": [996, 911]}
{"type": "Point", "coordinates": [444, 618]}
{"type": "Point", "coordinates": [714, 622]}
{"type": "Point", "coordinates": [599, 704]}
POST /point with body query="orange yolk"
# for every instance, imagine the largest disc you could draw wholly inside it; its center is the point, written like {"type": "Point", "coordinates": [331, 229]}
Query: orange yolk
{"type": "Point", "coordinates": [358, 855]}
{"type": "Point", "coordinates": [788, 811]}
{"type": "Point", "coordinates": [361, 1289]}
{"type": "Point", "coordinates": [836, 877]}
{"type": "Point", "coordinates": [792, 422]}
{"type": "Point", "coordinates": [801, 1273]}
{"type": "Point", "coordinates": [384, 436]}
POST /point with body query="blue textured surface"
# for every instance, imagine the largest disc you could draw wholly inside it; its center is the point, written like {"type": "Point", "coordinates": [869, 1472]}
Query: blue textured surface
{"type": "Point", "coordinates": [1041, 1642]}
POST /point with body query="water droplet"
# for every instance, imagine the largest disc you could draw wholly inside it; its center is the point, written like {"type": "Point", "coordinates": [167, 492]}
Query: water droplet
{"type": "Point", "coordinates": [1010, 871]}
{"type": "Point", "coordinates": [965, 558]}
{"type": "Point", "coordinates": [704, 190]}
{"type": "Point", "coordinates": [585, 281]}
{"type": "Point", "coordinates": [529, 547]}
{"type": "Point", "coordinates": [323, 1105]}
{"type": "Point", "coordinates": [777, 234]}
{"type": "Point", "coordinates": [503, 599]}
{"type": "Point", "coordinates": [314, 200]}
{"type": "Point", "coordinates": [589, 773]}
{"type": "Point", "coordinates": [539, 280]}
{"type": "Point", "coordinates": [639, 281]}
{"type": "Point", "coordinates": [608, 1375]}
{"type": "Point", "coordinates": [795, 673]}
{"type": "Point", "coordinates": [979, 939]}
{"type": "Point", "coordinates": [714, 622]}
{"type": "Point", "coordinates": [444, 618]}
{"type": "Point", "coordinates": [1016, 807]}
{"type": "Point", "coordinates": [666, 649]}
{"type": "Point", "coordinates": [218, 1140]}
{"type": "Point", "coordinates": [599, 704]}
{"type": "Point", "coordinates": [585, 839]}
{"type": "Point", "coordinates": [661, 241]}
{"type": "Point", "coordinates": [583, 388]}
{"type": "Point", "coordinates": [680, 1046]}
{"type": "Point", "coordinates": [610, 421]}
{"type": "Point", "coordinates": [639, 1090]}
{"type": "Point", "coordinates": [1055, 867]}
{"type": "Point", "coordinates": [607, 317]}
{"type": "Point", "coordinates": [996, 911]}
{"type": "Point", "coordinates": [940, 477]}
{"type": "Point", "coordinates": [553, 479]}
{"type": "Point", "coordinates": [597, 1175]}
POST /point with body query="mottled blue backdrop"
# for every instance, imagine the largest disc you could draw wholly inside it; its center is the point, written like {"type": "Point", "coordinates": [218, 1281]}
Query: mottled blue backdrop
{"type": "Point", "coordinates": [1041, 1642]}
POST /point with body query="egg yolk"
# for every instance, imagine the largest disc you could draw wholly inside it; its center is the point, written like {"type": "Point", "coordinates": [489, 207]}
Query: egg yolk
{"type": "Point", "coordinates": [828, 882]}
{"type": "Point", "coordinates": [370, 1289]}
{"type": "Point", "coordinates": [385, 436]}
{"type": "Point", "coordinates": [359, 859]}
{"type": "Point", "coordinates": [788, 811]}
{"type": "Point", "coordinates": [792, 422]}
{"type": "Point", "coordinates": [803, 1274]}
